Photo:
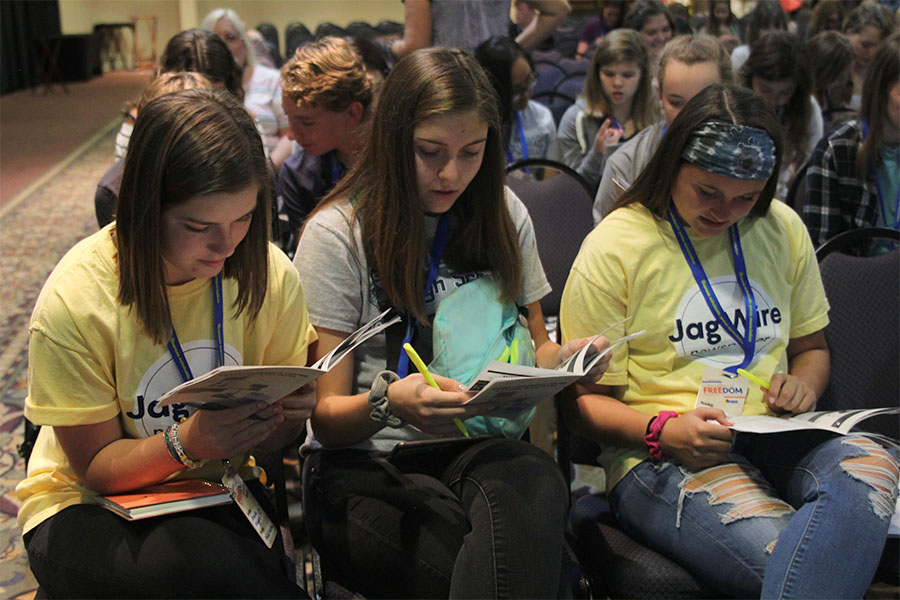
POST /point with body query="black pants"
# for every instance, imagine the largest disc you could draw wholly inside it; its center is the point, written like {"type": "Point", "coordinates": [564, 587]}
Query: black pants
{"type": "Point", "coordinates": [86, 551]}
{"type": "Point", "coordinates": [489, 523]}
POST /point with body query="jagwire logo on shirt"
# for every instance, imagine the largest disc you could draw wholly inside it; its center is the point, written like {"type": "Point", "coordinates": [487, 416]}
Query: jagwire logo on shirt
{"type": "Point", "coordinates": [148, 417]}
{"type": "Point", "coordinates": [697, 334]}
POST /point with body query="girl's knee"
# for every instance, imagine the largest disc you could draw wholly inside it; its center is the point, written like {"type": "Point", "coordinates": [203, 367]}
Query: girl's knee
{"type": "Point", "coordinates": [869, 463]}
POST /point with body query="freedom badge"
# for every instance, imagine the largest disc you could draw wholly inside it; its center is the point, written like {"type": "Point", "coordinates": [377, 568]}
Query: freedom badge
{"type": "Point", "coordinates": [722, 390]}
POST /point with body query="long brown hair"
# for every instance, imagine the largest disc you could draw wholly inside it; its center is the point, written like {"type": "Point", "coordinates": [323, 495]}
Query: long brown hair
{"type": "Point", "coordinates": [724, 102]}
{"type": "Point", "coordinates": [383, 182]}
{"type": "Point", "coordinates": [622, 46]}
{"type": "Point", "coordinates": [776, 56]}
{"type": "Point", "coordinates": [188, 144]}
{"type": "Point", "coordinates": [882, 74]}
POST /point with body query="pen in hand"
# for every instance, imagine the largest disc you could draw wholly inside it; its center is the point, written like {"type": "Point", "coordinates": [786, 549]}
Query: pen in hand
{"type": "Point", "coordinates": [420, 365]}
{"type": "Point", "coordinates": [753, 378]}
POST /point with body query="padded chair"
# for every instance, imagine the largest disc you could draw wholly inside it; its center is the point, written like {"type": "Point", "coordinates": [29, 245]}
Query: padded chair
{"type": "Point", "coordinates": [363, 30]}
{"type": "Point", "coordinates": [863, 338]}
{"type": "Point", "coordinates": [270, 34]}
{"type": "Point", "coordinates": [328, 28]}
{"type": "Point", "coordinates": [546, 55]}
{"type": "Point", "coordinates": [390, 29]}
{"type": "Point", "coordinates": [615, 565]}
{"type": "Point", "coordinates": [796, 196]}
{"type": "Point", "coordinates": [548, 75]}
{"type": "Point", "coordinates": [559, 201]}
{"type": "Point", "coordinates": [571, 85]}
{"type": "Point", "coordinates": [296, 35]}
{"type": "Point", "coordinates": [557, 102]}
{"type": "Point", "coordinates": [575, 65]}
{"type": "Point", "coordinates": [864, 330]}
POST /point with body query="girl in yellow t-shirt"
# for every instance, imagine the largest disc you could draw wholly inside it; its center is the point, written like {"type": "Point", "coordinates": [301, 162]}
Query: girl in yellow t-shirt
{"type": "Point", "coordinates": [183, 281]}
{"type": "Point", "coordinates": [692, 251]}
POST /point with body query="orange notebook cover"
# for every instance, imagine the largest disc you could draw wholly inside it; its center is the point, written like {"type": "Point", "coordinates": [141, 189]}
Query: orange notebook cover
{"type": "Point", "coordinates": [166, 498]}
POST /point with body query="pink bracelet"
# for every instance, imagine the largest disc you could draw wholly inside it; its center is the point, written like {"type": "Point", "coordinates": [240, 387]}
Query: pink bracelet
{"type": "Point", "coordinates": [653, 431]}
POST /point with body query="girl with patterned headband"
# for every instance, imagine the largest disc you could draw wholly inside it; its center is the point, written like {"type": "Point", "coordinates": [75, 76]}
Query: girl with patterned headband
{"type": "Point", "coordinates": [722, 279]}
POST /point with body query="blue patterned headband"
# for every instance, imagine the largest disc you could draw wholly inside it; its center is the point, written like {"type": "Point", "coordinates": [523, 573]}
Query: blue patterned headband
{"type": "Point", "coordinates": [732, 150]}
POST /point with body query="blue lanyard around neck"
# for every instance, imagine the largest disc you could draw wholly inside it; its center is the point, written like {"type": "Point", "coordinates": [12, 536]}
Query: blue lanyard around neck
{"type": "Point", "coordinates": [881, 202]}
{"type": "Point", "coordinates": [337, 170]}
{"type": "Point", "coordinates": [219, 319]}
{"type": "Point", "coordinates": [437, 252]}
{"type": "Point", "coordinates": [747, 340]}
{"type": "Point", "coordinates": [523, 143]}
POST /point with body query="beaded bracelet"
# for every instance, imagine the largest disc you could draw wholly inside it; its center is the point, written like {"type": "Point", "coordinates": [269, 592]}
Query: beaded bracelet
{"type": "Point", "coordinates": [177, 450]}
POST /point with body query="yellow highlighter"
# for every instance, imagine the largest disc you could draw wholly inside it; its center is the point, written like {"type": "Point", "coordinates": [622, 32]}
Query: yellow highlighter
{"type": "Point", "coordinates": [753, 378]}
{"type": "Point", "coordinates": [420, 365]}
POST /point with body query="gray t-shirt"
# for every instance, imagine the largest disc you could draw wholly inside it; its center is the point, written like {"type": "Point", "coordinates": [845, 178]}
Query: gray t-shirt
{"type": "Point", "coordinates": [340, 293]}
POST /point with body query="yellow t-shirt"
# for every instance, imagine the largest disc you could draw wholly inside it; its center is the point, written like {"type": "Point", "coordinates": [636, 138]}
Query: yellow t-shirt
{"type": "Point", "coordinates": [631, 265]}
{"type": "Point", "coordinates": [89, 361]}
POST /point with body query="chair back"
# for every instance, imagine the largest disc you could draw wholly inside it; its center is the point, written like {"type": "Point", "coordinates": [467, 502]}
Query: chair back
{"type": "Point", "coordinates": [559, 201]}
{"type": "Point", "coordinates": [548, 75]}
{"type": "Point", "coordinates": [863, 334]}
{"type": "Point", "coordinates": [270, 34]}
{"type": "Point", "coordinates": [362, 29]}
{"type": "Point", "coordinates": [571, 85]}
{"type": "Point", "coordinates": [557, 102]}
{"type": "Point", "coordinates": [295, 35]}
{"type": "Point", "coordinates": [575, 65]}
{"type": "Point", "coordinates": [796, 195]}
{"type": "Point", "coordinates": [328, 28]}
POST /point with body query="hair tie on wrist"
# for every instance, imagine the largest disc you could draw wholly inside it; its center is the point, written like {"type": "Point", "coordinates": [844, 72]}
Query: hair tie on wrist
{"type": "Point", "coordinates": [654, 429]}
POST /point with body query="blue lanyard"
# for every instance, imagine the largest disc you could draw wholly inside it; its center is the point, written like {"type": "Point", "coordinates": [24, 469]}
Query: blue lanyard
{"type": "Point", "coordinates": [336, 169]}
{"type": "Point", "coordinates": [175, 347]}
{"type": "Point", "coordinates": [747, 340]}
{"type": "Point", "coordinates": [881, 205]}
{"type": "Point", "coordinates": [522, 141]}
{"type": "Point", "coordinates": [437, 251]}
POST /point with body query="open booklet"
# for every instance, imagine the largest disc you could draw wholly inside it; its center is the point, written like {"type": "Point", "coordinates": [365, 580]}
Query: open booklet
{"type": "Point", "coordinates": [835, 421]}
{"type": "Point", "coordinates": [225, 387]}
{"type": "Point", "coordinates": [509, 390]}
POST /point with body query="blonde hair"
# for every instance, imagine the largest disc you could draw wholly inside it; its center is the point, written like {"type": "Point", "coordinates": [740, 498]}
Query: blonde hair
{"type": "Point", "coordinates": [327, 73]}
{"type": "Point", "coordinates": [621, 46]}
{"type": "Point", "coordinates": [693, 49]}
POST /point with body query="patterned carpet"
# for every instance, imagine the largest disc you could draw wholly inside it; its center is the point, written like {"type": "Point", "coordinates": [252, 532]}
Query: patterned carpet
{"type": "Point", "coordinates": [36, 232]}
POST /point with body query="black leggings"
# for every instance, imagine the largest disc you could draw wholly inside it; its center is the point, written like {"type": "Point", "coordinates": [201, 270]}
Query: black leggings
{"type": "Point", "coordinates": [488, 523]}
{"type": "Point", "coordinates": [86, 551]}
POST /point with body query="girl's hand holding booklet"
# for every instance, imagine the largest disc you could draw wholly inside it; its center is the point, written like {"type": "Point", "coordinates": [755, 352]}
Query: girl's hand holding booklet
{"type": "Point", "coordinates": [230, 386]}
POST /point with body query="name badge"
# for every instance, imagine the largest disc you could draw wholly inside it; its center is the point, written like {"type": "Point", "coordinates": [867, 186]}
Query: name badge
{"type": "Point", "coordinates": [722, 390]}
{"type": "Point", "coordinates": [250, 506]}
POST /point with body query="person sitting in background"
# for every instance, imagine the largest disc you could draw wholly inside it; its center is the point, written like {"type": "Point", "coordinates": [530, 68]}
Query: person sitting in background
{"type": "Point", "coordinates": [188, 252]}
{"type": "Point", "coordinates": [262, 94]}
{"type": "Point", "coordinates": [617, 102]}
{"type": "Point", "coordinates": [611, 12]}
{"type": "Point", "coordinates": [826, 16]}
{"type": "Point", "coordinates": [866, 26]}
{"type": "Point", "coordinates": [107, 193]}
{"type": "Point", "coordinates": [328, 98]}
{"type": "Point", "coordinates": [688, 64]}
{"type": "Point", "coordinates": [266, 55]}
{"type": "Point", "coordinates": [466, 23]}
{"type": "Point", "coordinates": [695, 243]}
{"type": "Point", "coordinates": [528, 127]}
{"type": "Point", "coordinates": [767, 16]}
{"type": "Point", "coordinates": [193, 50]}
{"type": "Point", "coordinates": [831, 58]}
{"type": "Point", "coordinates": [778, 70]}
{"type": "Point", "coordinates": [852, 180]}
{"type": "Point", "coordinates": [651, 19]}
{"type": "Point", "coordinates": [722, 24]}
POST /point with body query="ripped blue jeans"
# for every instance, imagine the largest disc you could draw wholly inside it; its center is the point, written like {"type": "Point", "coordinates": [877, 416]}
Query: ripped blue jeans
{"type": "Point", "coordinates": [786, 516]}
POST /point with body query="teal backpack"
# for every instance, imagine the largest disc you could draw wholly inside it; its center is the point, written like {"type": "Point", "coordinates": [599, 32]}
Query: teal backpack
{"type": "Point", "coordinates": [472, 328]}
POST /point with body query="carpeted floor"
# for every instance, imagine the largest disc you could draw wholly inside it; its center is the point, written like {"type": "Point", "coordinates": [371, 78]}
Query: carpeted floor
{"type": "Point", "coordinates": [36, 233]}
